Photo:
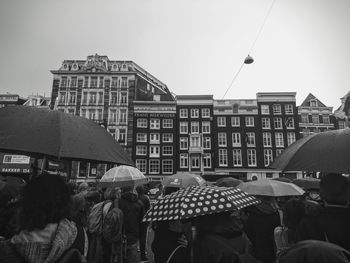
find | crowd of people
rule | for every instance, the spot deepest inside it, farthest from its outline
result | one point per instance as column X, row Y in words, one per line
column 55, row 221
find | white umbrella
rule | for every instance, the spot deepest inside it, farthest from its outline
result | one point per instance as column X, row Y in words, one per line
column 269, row 187
column 121, row 176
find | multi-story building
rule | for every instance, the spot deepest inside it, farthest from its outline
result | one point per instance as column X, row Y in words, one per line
column 155, row 137
column 195, row 133
column 11, row 100
column 314, row 116
column 104, row 91
column 342, row 114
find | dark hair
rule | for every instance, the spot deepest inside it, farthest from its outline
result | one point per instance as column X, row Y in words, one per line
column 46, row 199
column 334, row 188
column 293, row 213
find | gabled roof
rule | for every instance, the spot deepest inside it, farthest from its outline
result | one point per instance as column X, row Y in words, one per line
column 306, row 102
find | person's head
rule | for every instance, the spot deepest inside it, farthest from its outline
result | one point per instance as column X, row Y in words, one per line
column 46, row 199
column 82, row 187
column 140, row 190
column 293, row 212
column 335, row 189
column 111, row 193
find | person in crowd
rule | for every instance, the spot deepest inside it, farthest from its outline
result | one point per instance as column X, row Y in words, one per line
column 83, row 187
column 133, row 212
column 144, row 225
column 220, row 238
column 46, row 233
column 171, row 237
column 332, row 222
column 315, row 251
column 285, row 235
column 259, row 225
column 105, row 223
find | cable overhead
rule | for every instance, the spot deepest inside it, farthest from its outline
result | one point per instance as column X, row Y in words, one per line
column 249, row 59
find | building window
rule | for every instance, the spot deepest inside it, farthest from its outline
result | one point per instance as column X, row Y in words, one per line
column 123, row 116
column 267, row 142
column 249, row 121
column 207, row 160
column 124, row 98
column 250, row 138
column 222, row 157
column 278, row 123
column 72, row 97
column 112, row 118
column 194, row 113
column 251, row 154
column 183, row 113
column 141, row 165
column 288, row 108
column 154, row 138
column 304, row 118
column 268, row 157
column 64, row 82
column 325, row 119
column 154, row 167
column 167, row 150
column 313, row 103
column 62, row 98
column 114, row 98
column 167, row 166
column 205, row 113
column 290, row 138
column 93, row 82
column 183, row 160
column 195, row 161
column 289, row 122
column 195, row 141
column 154, row 124
column 265, row 109
column 221, row 121
column 73, row 82
column 276, row 109
column 124, row 83
column 154, row 151
column 141, row 137
column 265, row 123
column 167, row 137
column 236, row 139
column 183, row 127
column 194, row 127
column 71, row 111
column 183, row 143
column 315, row 119
column 167, row 123
column 114, row 82
column 237, row 157
column 141, row 123
column 141, row 150
column 122, row 135
column 222, row 141
column 206, row 143
column 341, row 124
column 235, row 122
column 205, row 127
column 279, row 139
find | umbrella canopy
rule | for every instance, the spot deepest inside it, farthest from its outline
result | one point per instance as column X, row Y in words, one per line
column 307, row 183
column 121, row 176
column 323, row 152
column 283, row 179
column 228, row 181
column 51, row 133
column 183, row 180
column 268, row 187
column 196, row 201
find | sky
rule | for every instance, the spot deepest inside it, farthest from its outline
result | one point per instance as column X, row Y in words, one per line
column 193, row 46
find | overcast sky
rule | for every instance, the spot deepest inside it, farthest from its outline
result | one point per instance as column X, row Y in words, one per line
column 193, row 46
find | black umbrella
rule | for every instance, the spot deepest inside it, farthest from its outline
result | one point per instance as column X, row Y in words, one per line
column 43, row 133
column 323, row 152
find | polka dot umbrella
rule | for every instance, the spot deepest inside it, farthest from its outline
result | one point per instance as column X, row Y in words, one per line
column 196, row 201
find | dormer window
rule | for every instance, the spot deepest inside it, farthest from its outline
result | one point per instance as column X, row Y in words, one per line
column 313, row 103
column 65, row 66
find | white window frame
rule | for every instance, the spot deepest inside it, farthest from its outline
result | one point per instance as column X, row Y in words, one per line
column 223, row 157
column 206, row 142
column 183, row 113
column 183, row 143
column 276, row 109
column 194, row 113
column 251, row 157
column 236, row 139
column 168, row 123
column 222, row 139
column 167, row 166
column 237, row 157
column 221, row 121
column 265, row 123
column 291, row 138
column 265, row 109
column 268, row 157
column 249, row 121
column 183, row 160
column 167, row 150
column 250, row 137
column 288, row 109
column 207, row 160
column 141, row 164
column 205, row 113
column 167, row 137
column 141, row 150
column 279, row 140
column 154, row 124
column 195, row 127
column 267, row 139
column 154, row 138
column 277, row 122
column 195, row 161
column 141, row 123
column 183, row 127
column 206, row 127
column 235, row 121
column 154, row 166
column 154, row 151
column 141, row 137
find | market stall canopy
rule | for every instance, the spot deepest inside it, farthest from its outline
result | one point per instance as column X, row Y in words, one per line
column 50, row 133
